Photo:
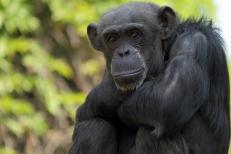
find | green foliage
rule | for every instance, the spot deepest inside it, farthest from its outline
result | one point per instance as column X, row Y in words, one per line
column 16, row 15
column 6, row 150
column 47, row 67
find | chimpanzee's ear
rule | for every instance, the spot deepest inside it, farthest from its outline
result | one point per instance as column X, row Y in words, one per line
column 167, row 21
column 92, row 35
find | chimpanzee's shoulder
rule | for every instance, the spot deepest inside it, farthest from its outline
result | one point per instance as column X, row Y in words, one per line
column 199, row 27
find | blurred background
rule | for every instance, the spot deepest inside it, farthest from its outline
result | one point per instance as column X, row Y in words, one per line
column 47, row 66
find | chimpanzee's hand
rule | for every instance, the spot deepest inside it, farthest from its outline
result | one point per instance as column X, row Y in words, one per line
column 102, row 101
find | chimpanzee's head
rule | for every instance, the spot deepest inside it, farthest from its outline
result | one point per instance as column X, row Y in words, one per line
column 130, row 36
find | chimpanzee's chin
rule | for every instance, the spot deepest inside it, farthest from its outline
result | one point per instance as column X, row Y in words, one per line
column 130, row 87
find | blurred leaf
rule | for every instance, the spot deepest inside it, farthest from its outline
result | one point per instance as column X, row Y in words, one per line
column 72, row 98
column 90, row 67
column 37, row 123
column 61, row 67
column 20, row 44
column 71, row 101
column 47, row 89
column 15, row 106
column 5, row 65
column 15, row 127
column 6, row 150
column 3, row 46
column 17, row 16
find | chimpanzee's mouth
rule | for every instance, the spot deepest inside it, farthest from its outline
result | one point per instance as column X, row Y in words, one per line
column 129, row 80
column 128, row 74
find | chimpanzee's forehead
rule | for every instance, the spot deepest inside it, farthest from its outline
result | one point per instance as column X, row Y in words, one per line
column 133, row 13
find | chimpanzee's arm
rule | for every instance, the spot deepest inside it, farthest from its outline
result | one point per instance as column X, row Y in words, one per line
column 168, row 102
column 101, row 102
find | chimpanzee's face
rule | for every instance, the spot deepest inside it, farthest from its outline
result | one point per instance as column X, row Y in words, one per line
column 131, row 42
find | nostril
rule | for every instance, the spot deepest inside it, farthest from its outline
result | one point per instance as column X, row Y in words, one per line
column 121, row 54
column 126, row 53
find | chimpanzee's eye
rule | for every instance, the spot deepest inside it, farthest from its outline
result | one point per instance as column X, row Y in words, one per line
column 134, row 35
column 112, row 39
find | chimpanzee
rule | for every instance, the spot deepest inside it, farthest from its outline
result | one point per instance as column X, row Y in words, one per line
column 165, row 90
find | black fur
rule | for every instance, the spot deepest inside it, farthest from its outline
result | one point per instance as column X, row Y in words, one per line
column 180, row 108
